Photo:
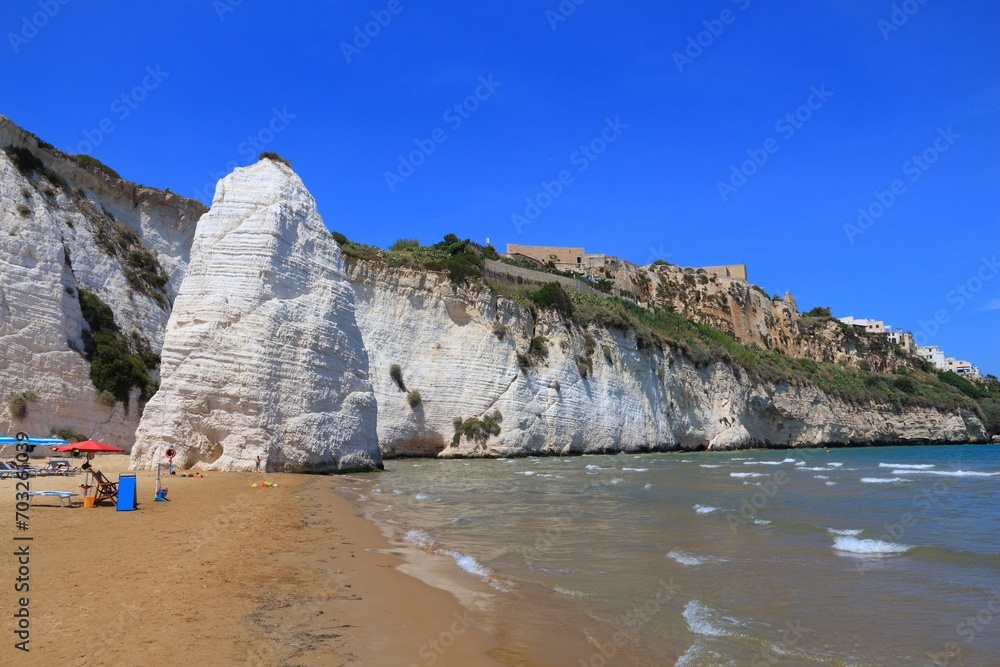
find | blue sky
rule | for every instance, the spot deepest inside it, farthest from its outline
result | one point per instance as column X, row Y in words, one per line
column 701, row 132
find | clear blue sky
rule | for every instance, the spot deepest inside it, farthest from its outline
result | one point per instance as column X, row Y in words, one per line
column 881, row 93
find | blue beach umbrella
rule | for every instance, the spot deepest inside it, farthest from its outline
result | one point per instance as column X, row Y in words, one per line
column 32, row 442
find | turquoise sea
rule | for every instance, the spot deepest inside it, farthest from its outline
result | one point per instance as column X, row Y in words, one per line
column 863, row 556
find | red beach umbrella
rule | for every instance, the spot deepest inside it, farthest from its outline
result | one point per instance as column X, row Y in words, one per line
column 89, row 447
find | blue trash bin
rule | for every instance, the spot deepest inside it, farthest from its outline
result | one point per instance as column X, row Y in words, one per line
column 127, row 494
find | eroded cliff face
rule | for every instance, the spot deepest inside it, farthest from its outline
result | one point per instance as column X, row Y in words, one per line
column 458, row 347
column 262, row 356
column 63, row 228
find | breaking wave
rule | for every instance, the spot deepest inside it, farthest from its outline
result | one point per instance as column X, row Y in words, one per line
column 685, row 558
column 869, row 547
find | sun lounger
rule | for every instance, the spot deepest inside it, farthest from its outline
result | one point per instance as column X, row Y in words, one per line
column 61, row 495
column 58, row 467
column 106, row 489
column 8, row 470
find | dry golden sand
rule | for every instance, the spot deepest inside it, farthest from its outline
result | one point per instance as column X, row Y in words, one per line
column 223, row 574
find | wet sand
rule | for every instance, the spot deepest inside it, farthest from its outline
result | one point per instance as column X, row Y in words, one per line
column 223, row 574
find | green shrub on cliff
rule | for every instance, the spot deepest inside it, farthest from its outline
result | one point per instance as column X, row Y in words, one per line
column 24, row 160
column 478, row 430
column 90, row 161
column 17, row 406
column 68, row 434
column 461, row 267
column 114, row 367
column 273, row 156
column 396, row 374
column 551, row 296
column 404, row 244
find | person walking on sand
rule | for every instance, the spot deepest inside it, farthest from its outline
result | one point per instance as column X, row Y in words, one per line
column 256, row 466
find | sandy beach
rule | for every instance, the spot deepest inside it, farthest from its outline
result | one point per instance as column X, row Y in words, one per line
column 223, row 574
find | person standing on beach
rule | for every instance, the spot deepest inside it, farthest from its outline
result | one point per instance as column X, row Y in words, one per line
column 257, row 464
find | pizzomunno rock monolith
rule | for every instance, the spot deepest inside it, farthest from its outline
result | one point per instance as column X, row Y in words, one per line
column 262, row 354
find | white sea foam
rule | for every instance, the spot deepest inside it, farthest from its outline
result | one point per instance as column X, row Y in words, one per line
column 700, row 621
column 800, row 463
column 418, row 465
column 593, row 467
column 882, row 480
column 690, row 655
column 635, row 469
column 947, row 473
column 762, row 522
column 570, row 592
column 747, row 474
column 704, row 509
column 739, row 459
column 685, row 558
column 868, row 547
column 526, row 473
column 397, row 492
column 709, row 465
column 816, row 469
column 648, row 486
column 831, row 483
column 788, row 461
column 846, row 532
column 421, row 496
column 617, row 480
column 419, row 538
column 762, row 463
column 821, row 477
column 469, row 564
column 835, row 465
column 912, row 466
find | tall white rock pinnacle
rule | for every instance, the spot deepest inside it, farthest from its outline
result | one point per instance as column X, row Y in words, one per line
column 262, row 354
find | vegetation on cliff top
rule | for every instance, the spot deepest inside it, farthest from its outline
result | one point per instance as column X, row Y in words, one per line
column 88, row 161
column 461, row 259
column 275, row 157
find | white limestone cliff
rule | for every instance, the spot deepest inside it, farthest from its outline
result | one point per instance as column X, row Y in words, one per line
column 457, row 346
column 49, row 240
column 262, row 355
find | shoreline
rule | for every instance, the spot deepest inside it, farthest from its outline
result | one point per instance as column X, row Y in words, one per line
column 226, row 574
column 654, row 449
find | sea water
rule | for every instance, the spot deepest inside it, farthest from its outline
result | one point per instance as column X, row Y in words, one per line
column 863, row 556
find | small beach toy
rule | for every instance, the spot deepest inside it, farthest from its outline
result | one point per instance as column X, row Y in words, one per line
column 253, row 486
